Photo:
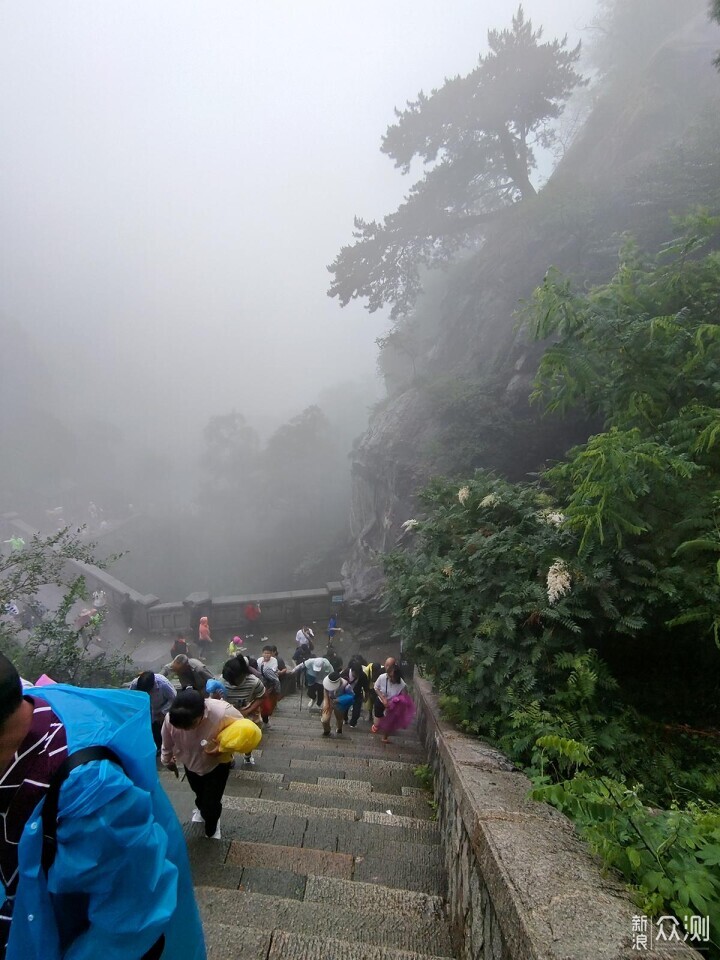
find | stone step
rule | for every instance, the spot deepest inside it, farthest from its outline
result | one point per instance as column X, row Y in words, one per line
column 396, row 929
column 382, row 779
column 349, row 746
column 387, row 778
column 302, row 724
column 226, row 943
column 333, row 849
column 427, row 830
column 330, row 793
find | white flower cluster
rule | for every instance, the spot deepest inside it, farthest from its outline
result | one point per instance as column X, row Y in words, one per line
column 464, row 494
column 410, row 524
column 416, row 610
column 489, row 501
column 558, row 581
column 554, row 517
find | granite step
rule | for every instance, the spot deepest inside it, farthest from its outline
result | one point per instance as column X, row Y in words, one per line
column 353, row 794
column 426, row 828
column 225, row 944
column 397, row 928
column 312, row 847
column 330, row 850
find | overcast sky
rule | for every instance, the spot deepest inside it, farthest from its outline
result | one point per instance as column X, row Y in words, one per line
column 175, row 177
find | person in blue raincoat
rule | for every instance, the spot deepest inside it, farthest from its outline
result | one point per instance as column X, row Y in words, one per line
column 119, row 887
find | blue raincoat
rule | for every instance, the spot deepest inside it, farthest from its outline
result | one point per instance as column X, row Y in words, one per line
column 121, row 877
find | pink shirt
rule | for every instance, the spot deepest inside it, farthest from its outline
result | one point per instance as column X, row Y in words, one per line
column 184, row 745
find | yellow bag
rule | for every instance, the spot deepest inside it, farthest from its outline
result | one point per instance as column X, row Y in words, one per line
column 241, row 736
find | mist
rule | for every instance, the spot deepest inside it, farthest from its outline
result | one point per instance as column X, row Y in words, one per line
column 175, row 179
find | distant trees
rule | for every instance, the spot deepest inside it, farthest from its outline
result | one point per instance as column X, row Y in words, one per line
column 231, row 449
column 266, row 508
column 478, row 135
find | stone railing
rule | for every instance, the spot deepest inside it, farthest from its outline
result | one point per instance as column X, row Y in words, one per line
column 227, row 613
column 521, row 885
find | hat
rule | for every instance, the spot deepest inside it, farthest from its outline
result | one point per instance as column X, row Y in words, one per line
column 332, row 682
column 214, row 686
column 238, row 641
column 315, row 665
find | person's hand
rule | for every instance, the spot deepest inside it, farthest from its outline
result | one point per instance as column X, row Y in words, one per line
column 173, row 768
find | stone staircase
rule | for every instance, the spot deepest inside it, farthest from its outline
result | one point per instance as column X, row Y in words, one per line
column 329, row 850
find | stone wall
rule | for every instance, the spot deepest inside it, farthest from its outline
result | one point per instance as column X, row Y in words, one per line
column 521, row 885
column 227, row 613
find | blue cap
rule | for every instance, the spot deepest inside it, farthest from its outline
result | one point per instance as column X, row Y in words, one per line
column 215, row 686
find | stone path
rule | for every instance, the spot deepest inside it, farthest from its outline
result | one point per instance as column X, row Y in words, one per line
column 329, row 850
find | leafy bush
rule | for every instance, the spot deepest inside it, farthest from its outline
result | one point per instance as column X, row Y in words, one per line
column 52, row 645
column 513, row 593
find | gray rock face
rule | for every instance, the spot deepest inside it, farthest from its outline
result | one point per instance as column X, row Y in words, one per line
column 471, row 333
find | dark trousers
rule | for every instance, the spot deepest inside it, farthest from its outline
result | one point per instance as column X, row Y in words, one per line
column 208, row 789
column 378, row 707
column 316, row 693
column 355, row 707
column 157, row 734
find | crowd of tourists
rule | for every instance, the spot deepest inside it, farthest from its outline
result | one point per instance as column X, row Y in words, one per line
column 99, row 867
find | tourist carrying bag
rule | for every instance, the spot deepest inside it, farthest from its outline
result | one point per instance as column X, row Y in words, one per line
column 50, row 814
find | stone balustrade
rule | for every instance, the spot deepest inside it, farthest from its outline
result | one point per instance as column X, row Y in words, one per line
column 521, row 885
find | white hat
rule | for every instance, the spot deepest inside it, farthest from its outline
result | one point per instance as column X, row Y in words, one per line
column 316, row 665
column 332, row 685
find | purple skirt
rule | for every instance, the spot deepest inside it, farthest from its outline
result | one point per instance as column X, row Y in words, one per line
column 399, row 714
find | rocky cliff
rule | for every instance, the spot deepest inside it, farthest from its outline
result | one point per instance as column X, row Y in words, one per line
column 458, row 397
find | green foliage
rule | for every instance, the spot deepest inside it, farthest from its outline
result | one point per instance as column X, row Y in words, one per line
column 669, row 857
column 424, row 776
column 53, row 645
column 477, row 136
column 643, row 351
column 512, row 592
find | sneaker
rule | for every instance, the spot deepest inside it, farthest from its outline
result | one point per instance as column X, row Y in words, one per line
column 326, row 733
column 266, row 724
column 249, row 762
column 353, row 725
column 197, row 817
column 338, row 733
column 217, row 835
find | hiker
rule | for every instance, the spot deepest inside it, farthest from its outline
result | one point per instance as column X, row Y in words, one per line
column 372, row 672
column 204, row 638
column 304, row 645
column 281, row 665
column 161, row 693
column 244, row 691
column 267, row 665
column 180, row 646
column 236, row 646
column 314, row 671
column 268, row 657
column 190, row 672
column 188, row 735
column 358, row 685
column 107, row 873
column 252, row 613
column 394, row 710
column 335, row 659
column 333, row 628
column 333, row 688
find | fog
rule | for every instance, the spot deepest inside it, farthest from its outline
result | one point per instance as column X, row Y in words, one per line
column 175, row 178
